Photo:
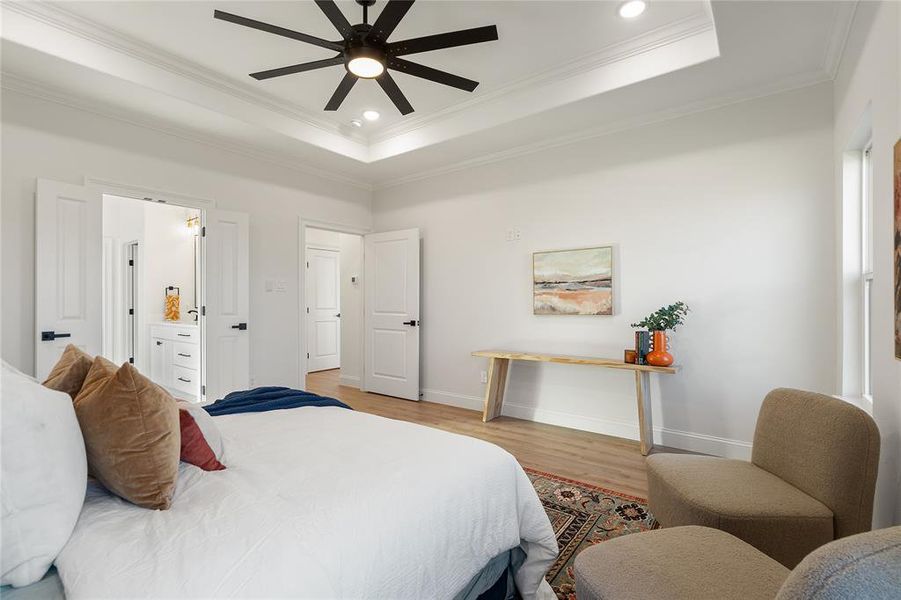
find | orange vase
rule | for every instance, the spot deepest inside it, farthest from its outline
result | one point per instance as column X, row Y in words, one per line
column 659, row 357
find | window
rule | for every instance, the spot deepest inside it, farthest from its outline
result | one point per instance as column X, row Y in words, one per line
column 866, row 279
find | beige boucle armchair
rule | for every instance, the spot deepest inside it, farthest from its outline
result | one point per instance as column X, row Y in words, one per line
column 811, row 479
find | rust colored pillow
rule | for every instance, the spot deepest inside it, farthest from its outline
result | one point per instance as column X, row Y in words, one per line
column 194, row 448
column 69, row 371
column 131, row 433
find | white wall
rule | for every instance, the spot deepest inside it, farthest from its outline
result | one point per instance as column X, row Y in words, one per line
column 43, row 139
column 351, row 309
column 868, row 84
column 729, row 210
column 168, row 259
column 350, row 248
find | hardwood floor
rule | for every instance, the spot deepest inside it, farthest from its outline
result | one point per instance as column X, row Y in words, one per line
column 602, row 460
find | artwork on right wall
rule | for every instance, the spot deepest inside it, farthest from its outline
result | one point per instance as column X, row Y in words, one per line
column 898, row 249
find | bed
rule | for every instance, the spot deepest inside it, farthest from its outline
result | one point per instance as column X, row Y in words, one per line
column 320, row 502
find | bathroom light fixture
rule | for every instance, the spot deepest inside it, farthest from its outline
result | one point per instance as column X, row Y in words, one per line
column 631, row 9
column 193, row 224
column 371, row 115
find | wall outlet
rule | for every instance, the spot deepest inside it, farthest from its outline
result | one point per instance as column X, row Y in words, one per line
column 483, row 376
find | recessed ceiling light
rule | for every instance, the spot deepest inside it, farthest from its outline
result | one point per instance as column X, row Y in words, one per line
column 371, row 115
column 631, row 9
column 356, row 122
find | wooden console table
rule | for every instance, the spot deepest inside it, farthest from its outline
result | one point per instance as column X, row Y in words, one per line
column 499, row 364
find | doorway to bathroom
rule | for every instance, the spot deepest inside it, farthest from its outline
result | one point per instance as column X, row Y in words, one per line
column 152, row 281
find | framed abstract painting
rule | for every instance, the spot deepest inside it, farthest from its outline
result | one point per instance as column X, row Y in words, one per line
column 573, row 282
column 897, row 257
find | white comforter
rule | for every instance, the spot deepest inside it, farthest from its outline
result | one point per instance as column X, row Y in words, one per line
column 318, row 503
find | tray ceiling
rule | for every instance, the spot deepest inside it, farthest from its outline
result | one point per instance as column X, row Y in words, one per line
column 559, row 66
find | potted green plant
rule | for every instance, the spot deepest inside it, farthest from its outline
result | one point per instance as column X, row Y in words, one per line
column 667, row 318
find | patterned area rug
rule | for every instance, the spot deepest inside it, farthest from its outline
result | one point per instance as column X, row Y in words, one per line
column 583, row 515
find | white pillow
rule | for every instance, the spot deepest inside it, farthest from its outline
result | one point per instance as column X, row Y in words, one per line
column 43, row 476
column 207, row 427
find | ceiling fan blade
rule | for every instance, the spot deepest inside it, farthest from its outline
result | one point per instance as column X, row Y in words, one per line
column 439, row 41
column 388, row 19
column 417, row 70
column 341, row 92
column 400, row 101
column 288, row 33
column 337, row 17
column 300, row 68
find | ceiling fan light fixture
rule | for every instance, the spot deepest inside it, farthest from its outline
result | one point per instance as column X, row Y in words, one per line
column 366, row 63
column 632, row 8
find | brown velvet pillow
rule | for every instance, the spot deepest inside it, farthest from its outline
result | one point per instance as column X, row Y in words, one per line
column 100, row 372
column 69, row 371
column 131, row 433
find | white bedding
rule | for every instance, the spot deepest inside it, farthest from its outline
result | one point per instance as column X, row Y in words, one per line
column 318, row 503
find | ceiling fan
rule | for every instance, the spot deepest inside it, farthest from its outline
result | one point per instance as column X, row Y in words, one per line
column 366, row 53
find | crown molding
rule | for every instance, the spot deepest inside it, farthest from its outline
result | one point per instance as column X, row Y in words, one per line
column 21, row 85
column 797, row 82
column 842, row 19
column 72, row 23
column 695, row 24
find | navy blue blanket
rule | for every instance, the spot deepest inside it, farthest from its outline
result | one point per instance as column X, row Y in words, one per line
column 263, row 399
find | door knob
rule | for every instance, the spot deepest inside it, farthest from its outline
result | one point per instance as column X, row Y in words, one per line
column 412, row 323
column 49, row 336
column 241, row 326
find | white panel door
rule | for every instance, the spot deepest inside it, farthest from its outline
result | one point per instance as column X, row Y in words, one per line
column 391, row 282
column 323, row 309
column 226, row 290
column 68, row 265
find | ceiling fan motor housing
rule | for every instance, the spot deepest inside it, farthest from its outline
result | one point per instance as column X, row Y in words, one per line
column 358, row 46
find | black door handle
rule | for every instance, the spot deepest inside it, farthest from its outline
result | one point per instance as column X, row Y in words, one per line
column 338, row 315
column 241, row 326
column 49, row 336
column 411, row 323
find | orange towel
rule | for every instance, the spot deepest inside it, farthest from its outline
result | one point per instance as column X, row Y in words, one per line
column 172, row 312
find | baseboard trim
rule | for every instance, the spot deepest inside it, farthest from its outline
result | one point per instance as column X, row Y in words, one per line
column 452, row 399
column 663, row 436
column 613, row 427
column 703, row 443
column 349, row 380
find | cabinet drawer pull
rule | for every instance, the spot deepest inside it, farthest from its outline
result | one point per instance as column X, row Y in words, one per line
column 185, row 380
column 185, row 355
column 183, row 334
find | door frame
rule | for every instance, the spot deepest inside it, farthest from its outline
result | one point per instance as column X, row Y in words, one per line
column 302, row 291
column 136, row 192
